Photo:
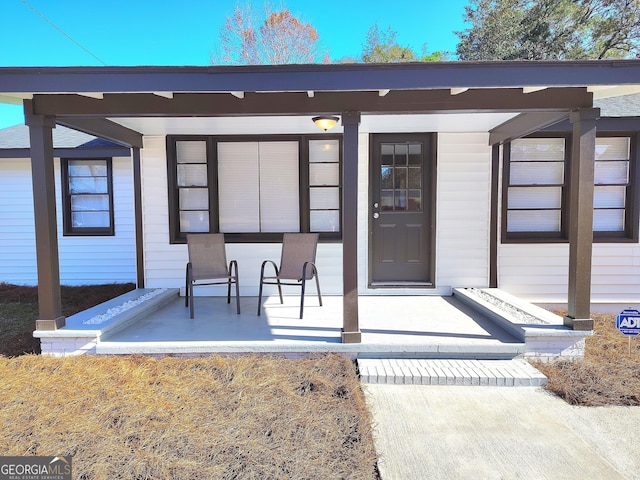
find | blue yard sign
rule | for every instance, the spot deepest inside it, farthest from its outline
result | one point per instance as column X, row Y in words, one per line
column 628, row 322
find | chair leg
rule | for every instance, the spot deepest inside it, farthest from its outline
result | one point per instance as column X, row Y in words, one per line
column 191, row 302
column 318, row 286
column 280, row 290
column 186, row 286
column 237, row 295
column 302, row 298
column 260, row 291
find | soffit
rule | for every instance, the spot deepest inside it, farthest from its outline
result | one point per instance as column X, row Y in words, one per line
column 264, row 125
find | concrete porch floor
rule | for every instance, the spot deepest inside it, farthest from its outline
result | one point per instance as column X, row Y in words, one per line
column 391, row 326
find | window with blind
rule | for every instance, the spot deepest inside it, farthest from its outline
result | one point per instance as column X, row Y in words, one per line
column 254, row 189
column 535, row 189
column 535, row 174
column 87, row 197
column 612, row 184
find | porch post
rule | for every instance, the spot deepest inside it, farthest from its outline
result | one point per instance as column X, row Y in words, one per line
column 351, row 328
column 493, row 222
column 137, row 201
column 581, row 217
column 44, row 205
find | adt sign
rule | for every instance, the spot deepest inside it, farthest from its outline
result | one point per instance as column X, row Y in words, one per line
column 628, row 322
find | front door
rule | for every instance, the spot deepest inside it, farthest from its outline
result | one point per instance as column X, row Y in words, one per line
column 402, row 199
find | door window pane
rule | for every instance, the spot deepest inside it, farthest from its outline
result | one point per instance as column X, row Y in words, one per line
column 386, row 180
column 400, row 199
column 415, row 154
column 400, row 177
column 415, row 177
column 415, row 200
column 386, row 200
column 386, row 157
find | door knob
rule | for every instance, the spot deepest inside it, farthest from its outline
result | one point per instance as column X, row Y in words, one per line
column 376, row 215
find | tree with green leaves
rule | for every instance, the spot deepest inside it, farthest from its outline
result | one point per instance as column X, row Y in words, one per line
column 274, row 37
column 550, row 30
column 381, row 47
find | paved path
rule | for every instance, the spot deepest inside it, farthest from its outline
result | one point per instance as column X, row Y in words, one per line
column 457, row 432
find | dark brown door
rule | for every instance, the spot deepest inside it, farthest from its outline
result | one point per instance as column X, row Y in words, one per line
column 401, row 206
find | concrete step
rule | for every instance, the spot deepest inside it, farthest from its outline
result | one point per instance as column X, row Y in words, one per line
column 512, row 373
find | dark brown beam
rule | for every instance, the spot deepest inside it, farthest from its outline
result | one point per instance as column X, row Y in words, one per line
column 44, row 205
column 219, row 104
column 137, row 209
column 100, row 127
column 581, row 218
column 78, row 152
column 346, row 77
column 351, row 326
column 523, row 125
column 493, row 221
column 605, row 124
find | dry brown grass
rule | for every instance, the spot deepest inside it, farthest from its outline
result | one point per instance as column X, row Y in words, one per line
column 608, row 375
column 211, row 418
column 19, row 311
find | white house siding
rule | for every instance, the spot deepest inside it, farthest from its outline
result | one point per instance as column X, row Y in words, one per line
column 463, row 214
column 539, row 272
column 165, row 263
column 84, row 260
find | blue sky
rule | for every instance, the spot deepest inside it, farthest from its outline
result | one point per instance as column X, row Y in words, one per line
column 184, row 32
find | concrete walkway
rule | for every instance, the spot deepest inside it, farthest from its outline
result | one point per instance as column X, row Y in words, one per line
column 457, row 432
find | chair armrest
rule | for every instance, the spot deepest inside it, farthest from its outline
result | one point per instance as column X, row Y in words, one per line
column 233, row 265
column 313, row 269
column 275, row 267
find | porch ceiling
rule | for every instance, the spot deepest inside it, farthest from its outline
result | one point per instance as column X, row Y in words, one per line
column 452, row 122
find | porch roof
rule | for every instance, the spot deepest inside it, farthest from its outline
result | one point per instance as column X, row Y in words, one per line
column 604, row 76
column 95, row 99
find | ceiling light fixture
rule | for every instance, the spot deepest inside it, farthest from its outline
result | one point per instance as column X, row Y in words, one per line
column 325, row 123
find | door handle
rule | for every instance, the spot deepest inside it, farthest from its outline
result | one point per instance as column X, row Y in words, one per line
column 376, row 215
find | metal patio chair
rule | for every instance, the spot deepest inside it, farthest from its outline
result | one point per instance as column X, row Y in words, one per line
column 297, row 264
column 208, row 266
